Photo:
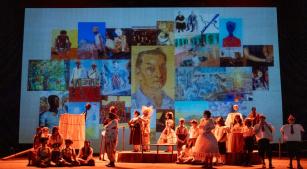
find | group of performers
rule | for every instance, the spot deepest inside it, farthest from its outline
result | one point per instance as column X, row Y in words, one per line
column 215, row 137
column 48, row 150
column 199, row 143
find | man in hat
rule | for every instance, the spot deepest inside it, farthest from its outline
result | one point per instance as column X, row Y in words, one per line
column 292, row 136
column 111, row 136
column 264, row 135
column 76, row 75
column 93, row 75
column 182, row 134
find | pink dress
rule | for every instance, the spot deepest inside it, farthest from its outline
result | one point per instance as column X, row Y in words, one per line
column 206, row 143
column 168, row 135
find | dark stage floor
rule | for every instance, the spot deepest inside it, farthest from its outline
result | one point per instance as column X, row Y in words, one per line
column 21, row 163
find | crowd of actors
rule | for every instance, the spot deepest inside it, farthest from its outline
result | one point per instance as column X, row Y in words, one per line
column 210, row 138
column 199, row 143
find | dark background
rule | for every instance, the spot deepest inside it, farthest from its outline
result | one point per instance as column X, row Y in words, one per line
column 292, row 29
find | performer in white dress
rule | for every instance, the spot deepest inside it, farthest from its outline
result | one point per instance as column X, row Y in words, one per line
column 168, row 135
column 206, row 144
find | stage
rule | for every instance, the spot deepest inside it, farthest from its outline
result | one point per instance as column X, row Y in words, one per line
column 21, row 163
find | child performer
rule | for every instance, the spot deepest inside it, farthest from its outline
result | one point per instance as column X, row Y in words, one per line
column 85, row 156
column 55, row 142
column 68, row 155
column 220, row 133
column 36, row 144
column 182, row 135
column 193, row 133
column 248, row 135
column 43, row 154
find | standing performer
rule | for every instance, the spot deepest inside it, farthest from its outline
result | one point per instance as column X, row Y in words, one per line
column 292, row 135
column 146, row 127
column 206, row 144
column 193, row 133
column 182, row 135
column 136, row 131
column 264, row 134
column 168, row 135
column 111, row 136
column 220, row 133
column 248, row 135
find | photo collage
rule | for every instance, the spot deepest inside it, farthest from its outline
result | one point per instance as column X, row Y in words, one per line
column 194, row 62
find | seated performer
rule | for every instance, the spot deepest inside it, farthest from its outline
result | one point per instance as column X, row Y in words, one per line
column 68, row 155
column 85, row 156
column 168, row 135
column 193, row 133
column 55, row 141
column 185, row 156
column 36, row 144
column 182, row 135
column 43, row 154
column 136, row 131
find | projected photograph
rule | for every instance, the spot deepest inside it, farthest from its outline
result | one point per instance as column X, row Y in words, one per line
column 203, row 50
column 46, row 75
column 144, row 36
column 64, row 44
column 85, row 78
column 220, row 108
column 51, row 105
column 92, row 117
column 258, row 55
column 44, row 105
column 165, row 33
column 190, row 110
column 161, row 118
column 209, row 23
column 115, row 78
column 118, row 43
column 153, row 77
column 230, row 32
column 214, row 84
column 260, row 78
column 123, row 105
column 91, row 40
column 180, row 59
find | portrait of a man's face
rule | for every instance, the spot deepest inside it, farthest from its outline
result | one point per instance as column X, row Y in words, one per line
column 153, row 76
column 152, row 71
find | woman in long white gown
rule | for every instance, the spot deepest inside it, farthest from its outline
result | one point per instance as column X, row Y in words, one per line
column 206, row 144
column 168, row 135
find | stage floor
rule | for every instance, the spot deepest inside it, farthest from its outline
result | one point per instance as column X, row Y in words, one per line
column 21, row 163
